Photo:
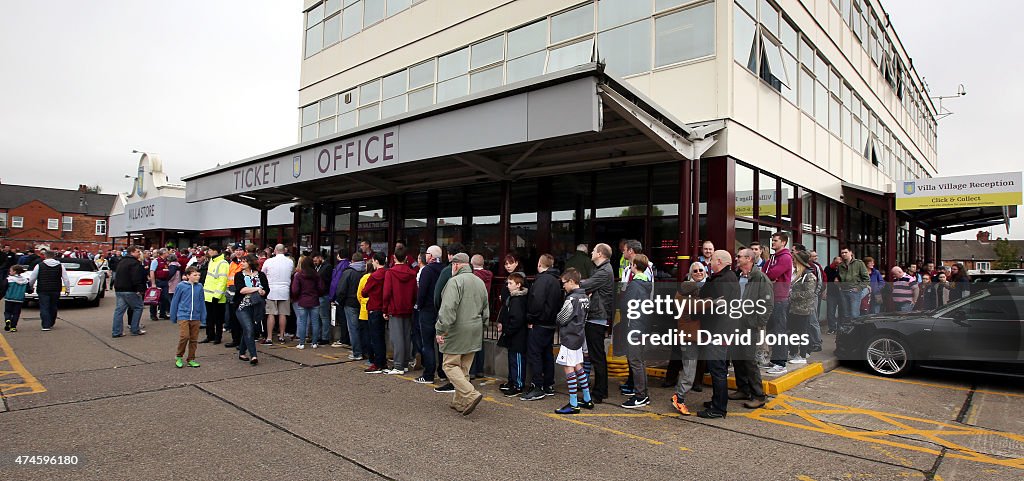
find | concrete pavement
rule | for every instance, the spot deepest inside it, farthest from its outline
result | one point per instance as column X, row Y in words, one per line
column 123, row 408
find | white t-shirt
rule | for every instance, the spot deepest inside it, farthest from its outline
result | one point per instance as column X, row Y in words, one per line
column 279, row 271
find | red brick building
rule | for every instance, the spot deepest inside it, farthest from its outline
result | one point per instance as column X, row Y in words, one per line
column 61, row 218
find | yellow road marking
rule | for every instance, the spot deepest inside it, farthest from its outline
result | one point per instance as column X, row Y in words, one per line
column 804, row 478
column 783, row 409
column 28, row 385
column 926, row 384
column 606, row 429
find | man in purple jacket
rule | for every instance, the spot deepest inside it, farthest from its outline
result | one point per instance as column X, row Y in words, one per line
column 779, row 270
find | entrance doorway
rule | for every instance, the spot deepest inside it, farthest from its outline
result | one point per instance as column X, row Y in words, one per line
column 612, row 231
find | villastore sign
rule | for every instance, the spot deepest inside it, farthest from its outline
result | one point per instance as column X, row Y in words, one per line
column 141, row 215
column 984, row 190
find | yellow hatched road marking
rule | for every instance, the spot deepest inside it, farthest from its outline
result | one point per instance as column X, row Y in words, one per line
column 927, row 384
column 28, row 385
column 784, row 410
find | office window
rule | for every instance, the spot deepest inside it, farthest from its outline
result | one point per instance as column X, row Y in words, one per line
column 660, row 5
column 684, row 35
column 326, row 127
column 421, row 74
column 525, row 67
column 453, row 65
column 788, row 36
column 394, row 84
column 3, row 220
column 101, row 227
column 395, row 6
column 749, row 5
column 487, row 52
column 528, row 39
column 572, row 24
column 485, row 79
column 369, row 93
column 806, row 92
column 17, row 222
column 834, row 115
column 612, row 13
column 570, row 55
column 309, row 114
column 328, row 106
column 332, row 7
column 770, row 17
column 373, row 12
column 772, row 69
column 314, row 39
column 744, row 31
column 789, row 90
column 347, row 120
column 626, row 50
column 821, row 103
column 332, row 30
column 392, row 106
column 421, row 98
column 348, row 101
column 369, row 114
column 453, row 88
column 308, row 133
column 351, row 20
column 52, row 224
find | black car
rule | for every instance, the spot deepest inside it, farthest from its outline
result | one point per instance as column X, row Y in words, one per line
column 983, row 332
column 1007, row 277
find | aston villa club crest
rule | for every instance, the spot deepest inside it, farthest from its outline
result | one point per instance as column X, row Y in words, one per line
column 296, row 166
column 909, row 188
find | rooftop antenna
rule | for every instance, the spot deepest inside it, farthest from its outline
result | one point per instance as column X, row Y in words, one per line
column 943, row 112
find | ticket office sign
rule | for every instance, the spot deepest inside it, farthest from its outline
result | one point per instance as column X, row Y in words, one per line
column 983, row 190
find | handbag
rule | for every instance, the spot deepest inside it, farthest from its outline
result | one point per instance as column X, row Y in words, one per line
column 152, row 296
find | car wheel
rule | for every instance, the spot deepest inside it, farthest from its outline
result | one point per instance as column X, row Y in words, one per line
column 96, row 301
column 888, row 355
column 103, row 292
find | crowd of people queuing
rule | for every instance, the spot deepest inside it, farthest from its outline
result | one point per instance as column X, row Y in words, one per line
column 436, row 305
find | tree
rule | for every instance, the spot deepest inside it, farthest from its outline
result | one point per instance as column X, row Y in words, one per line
column 1006, row 254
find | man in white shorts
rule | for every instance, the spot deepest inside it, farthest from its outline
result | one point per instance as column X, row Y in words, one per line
column 571, row 319
column 279, row 271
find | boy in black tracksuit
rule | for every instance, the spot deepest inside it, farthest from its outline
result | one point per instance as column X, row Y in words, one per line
column 542, row 305
column 512, row 324
column 571, row 318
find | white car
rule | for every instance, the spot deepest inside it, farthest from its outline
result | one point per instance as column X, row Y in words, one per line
column 86, row 282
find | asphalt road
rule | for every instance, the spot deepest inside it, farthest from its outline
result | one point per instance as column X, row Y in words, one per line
column 127, row 413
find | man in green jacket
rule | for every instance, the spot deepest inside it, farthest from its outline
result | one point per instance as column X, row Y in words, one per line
column 756, row 288
column 460, row 323
column 853, row 282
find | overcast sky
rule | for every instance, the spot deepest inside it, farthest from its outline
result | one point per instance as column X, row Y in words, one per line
column 208, row 82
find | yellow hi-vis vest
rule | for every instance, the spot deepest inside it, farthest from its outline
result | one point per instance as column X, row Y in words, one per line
column 216, row 280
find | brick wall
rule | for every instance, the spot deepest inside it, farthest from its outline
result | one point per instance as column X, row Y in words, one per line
column 34, row 231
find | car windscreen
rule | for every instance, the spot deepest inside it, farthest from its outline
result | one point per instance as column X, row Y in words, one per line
column 79, row 265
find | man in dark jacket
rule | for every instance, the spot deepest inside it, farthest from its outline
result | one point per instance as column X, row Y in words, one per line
column 348, row 303
column 325, row 269
column 129, row 284
column 722, row 287
column 446, row 274
column 581, row 261
column 51, row 276
column 757, row 288
column 600, row 285
column 427, row 317
column 543, row 302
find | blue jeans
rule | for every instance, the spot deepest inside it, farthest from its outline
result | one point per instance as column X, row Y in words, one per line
column 325, row 320
column 833, row 305
column 815, row 328
column 851, row 302
column 246, row 319
column 306, row 318
column 380, row 349
column 352, row 319
column 48, row 308
column 904, row 306
column 125, row 301
column 428, row 334
column 778, row 324
column 416, row 345
column 165, row 301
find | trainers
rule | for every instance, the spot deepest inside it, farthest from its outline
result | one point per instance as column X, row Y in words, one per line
column 798, row 360
column 267, row 342
column 47, row 329
column 423, row 380
column 178, row 362
column 14, row 329
column 373, row 369
column 636, row 402
column 300, row 347
column 512, row 391
column 549, row 390
column 193, row 363
column 535, row 394
column 627, row 390
column 394, row 371
column 568, row 409
column 680, row 405
column 587, row 404
column 446, row 388
column 353, row 357
column 7, row 325
column 140, row 333
column 314, row 346
column 777, row 370
column 337, row 344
